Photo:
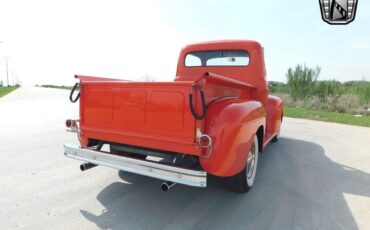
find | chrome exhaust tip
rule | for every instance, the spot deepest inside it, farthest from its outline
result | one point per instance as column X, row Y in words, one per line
column 87, row 166
column 167, row 186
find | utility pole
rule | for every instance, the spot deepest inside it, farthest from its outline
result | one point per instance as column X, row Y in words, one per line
column 7, row 70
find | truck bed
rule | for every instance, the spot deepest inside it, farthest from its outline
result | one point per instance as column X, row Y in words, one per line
column 154, row 115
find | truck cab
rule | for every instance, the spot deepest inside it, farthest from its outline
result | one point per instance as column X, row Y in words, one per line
column 214, row 118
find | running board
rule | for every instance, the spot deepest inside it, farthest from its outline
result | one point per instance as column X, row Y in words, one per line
column 142, row 167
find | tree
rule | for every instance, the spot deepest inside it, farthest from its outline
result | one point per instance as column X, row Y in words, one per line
column 301, row 81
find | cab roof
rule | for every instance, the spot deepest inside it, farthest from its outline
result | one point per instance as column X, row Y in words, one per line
column 223, row 44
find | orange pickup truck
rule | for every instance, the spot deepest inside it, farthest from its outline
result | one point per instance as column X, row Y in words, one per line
column 214, row 118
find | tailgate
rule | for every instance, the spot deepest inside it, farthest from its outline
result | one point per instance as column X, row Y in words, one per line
column 148, row 114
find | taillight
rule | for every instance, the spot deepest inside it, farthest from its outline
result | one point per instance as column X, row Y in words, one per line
column 68, row 123
column 205, row 141
column 72, row 125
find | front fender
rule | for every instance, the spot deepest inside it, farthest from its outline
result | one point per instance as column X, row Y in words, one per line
column 232, row 124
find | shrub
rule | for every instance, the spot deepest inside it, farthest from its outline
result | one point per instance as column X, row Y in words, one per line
column 326, row 90
column 277, row 87
column 301, row 81
column 363, row 91
column 348, row 103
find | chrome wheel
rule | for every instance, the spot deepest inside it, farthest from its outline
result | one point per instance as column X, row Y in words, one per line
column 252, row 162
column 244, row 180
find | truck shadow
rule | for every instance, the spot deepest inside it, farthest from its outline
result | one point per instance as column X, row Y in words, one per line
column 297, row 187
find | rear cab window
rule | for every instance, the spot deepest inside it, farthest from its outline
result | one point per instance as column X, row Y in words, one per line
column 217, row 58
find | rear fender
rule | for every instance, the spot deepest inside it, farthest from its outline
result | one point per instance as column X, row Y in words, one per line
column 232, row 124
column 274, row 114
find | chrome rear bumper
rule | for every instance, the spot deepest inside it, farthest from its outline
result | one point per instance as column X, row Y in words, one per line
column 142, row 167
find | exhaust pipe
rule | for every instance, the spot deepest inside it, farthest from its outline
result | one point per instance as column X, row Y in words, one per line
column 167, row 185
column 87, row 166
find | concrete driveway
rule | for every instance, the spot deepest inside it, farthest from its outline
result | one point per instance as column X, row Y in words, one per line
column 316, row 177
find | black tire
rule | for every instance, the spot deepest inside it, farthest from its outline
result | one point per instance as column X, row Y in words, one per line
column 275, row 139
column 241, row 182
column 277, row 136
column 116, row 151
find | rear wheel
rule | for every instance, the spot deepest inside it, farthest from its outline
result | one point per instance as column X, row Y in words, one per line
column 277, row 136
column 244, row 180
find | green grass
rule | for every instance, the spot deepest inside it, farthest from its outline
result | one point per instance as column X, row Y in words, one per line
column 343, row 118
column 5, row 90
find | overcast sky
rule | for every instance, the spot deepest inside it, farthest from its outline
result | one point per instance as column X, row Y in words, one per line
column 47, row 42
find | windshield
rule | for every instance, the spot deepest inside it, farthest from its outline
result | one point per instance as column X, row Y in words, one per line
column 217, row 58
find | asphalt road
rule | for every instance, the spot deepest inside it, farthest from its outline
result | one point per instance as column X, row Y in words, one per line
column 316, row 177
